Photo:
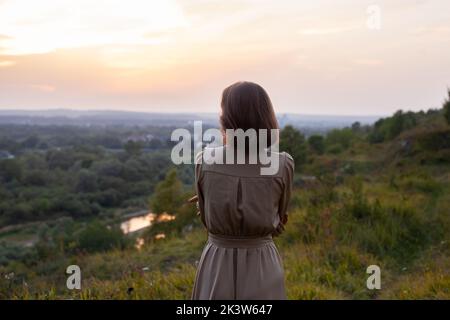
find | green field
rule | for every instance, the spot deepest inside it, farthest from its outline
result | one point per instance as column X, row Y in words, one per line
column 378, row 196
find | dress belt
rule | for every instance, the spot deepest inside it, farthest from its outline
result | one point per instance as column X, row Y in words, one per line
column 239, row 242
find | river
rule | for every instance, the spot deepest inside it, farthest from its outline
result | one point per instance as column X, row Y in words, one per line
column 137, row 223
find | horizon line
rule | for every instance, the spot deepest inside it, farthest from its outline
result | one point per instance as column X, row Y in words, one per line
column 187, row 112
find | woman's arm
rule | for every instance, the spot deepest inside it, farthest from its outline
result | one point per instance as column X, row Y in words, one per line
column 288, row 177
column 199, row 197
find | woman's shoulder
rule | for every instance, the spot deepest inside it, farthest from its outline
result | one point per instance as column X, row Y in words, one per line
column 288, row 163
column 284, row 157
column 288, row 158
column 199, row 157
column 206, row 161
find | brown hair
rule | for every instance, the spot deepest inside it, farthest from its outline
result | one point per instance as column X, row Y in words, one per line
column 246, row 105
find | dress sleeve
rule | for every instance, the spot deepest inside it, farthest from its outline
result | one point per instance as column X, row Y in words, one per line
column 198, row 188
column 288, row 177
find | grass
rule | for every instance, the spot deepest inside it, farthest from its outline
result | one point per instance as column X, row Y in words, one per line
column 370, row 207
column 325, row 249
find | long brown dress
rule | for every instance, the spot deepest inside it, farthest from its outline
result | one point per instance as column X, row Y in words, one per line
column 241, row 209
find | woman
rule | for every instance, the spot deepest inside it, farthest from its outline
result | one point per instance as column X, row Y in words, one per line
column 242, row 209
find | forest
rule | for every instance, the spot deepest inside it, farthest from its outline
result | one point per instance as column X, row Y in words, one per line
column 364, row 194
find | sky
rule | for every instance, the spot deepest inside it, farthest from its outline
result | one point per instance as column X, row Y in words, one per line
column 348, row 57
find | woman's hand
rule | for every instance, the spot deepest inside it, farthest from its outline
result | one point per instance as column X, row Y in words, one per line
column 280, row 228
column 194, row 199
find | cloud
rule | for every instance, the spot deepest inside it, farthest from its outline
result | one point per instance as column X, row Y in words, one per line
column 43, row 87
column 43, row 26
column 179, row 55
column 7, row 63
column 442, row 31
column 324, row 31
column 369, row 62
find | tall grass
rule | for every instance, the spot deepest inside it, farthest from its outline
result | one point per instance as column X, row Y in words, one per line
column 335, row 231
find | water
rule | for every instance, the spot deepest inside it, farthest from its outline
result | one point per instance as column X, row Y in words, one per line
column 140, row 222
column 137, row 223
column 139, row 243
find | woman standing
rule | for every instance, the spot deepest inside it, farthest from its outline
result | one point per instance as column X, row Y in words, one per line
column 242, row 209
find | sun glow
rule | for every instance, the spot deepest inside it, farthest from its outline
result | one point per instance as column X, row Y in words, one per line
column 177, row 55
column 29, row 27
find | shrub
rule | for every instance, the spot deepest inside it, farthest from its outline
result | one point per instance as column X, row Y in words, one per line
column 317, row 143
column 435, row 140
column 10, row 169
column 389, row 128
column 168, row 195
column 395, row 232
column 98, row 237
column 446, row 108
column 335, row 149
column 424, row 184
column 340, row 137
column 293, row 142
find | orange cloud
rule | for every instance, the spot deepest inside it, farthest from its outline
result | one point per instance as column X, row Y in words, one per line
column 7, row 63
column 43, row 87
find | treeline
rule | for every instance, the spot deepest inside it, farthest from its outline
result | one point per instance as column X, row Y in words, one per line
column 19, row 138
column 386, row 129
column 60, row 238
column 79, row 181
column 81, row 171
column 336, row 141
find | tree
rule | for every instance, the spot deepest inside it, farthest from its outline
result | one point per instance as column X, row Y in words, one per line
column 341, row 138
column 132, row 170
column 389, row 128
column 109, row 198
column 155, row 143
column 399, row 122
column 293, row 142
column 376, row 134
column 108, row 168
column 19, row 212
column 168, row 196
column 317, row 143
column 31, row 142
column 356, row 126
column 133, row 148
column 446, row 108
column 10, row 169
column 62, row 159
column 98, row 237
column 36, row 178
column 87, row 181
column 396, row 124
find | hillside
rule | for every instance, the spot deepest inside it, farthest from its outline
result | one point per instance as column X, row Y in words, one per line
column 364, row 195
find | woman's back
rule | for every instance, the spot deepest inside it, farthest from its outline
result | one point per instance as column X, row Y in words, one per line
column 243, row 205
column 241, row 210
column 239, row 201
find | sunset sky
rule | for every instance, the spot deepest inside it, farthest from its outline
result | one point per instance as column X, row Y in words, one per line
column 315, row 57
